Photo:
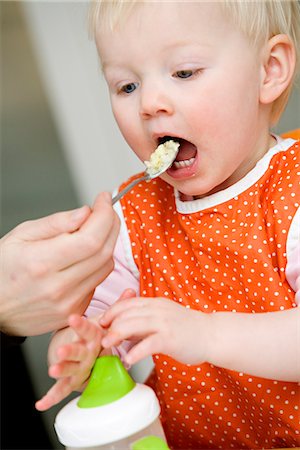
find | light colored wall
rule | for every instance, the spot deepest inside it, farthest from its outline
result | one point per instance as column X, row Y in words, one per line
column 98, row 157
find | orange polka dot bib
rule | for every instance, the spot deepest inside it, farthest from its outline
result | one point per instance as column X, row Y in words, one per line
column 220, row 256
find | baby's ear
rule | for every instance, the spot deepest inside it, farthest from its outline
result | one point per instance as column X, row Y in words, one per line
column 278, row 66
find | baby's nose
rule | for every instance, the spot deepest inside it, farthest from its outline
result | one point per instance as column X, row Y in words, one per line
column 155, row 102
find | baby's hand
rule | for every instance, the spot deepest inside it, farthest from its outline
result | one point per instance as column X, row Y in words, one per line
column 160, row 326
column 75, row 361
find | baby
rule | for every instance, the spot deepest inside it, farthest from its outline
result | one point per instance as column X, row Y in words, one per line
column 210, row 250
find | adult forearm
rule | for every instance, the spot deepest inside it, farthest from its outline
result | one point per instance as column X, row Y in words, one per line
column 264, row 344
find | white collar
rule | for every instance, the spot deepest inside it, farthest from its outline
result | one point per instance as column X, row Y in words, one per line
column 240, row 186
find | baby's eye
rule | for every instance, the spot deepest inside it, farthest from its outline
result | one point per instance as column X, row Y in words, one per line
column 128, row 88
column 184, row 73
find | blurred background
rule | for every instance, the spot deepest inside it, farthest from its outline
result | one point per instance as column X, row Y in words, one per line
column 59, row 148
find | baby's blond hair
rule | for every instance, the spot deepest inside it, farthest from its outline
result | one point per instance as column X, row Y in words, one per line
column 259, row 20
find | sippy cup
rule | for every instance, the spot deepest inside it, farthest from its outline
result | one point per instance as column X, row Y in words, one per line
column 113, row 413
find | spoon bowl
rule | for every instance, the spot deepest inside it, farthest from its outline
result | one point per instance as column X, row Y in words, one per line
column 153, row 170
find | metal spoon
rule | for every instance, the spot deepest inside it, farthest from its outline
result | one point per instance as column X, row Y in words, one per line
column 148, row 175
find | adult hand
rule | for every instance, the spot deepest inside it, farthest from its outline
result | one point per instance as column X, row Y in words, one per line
column 50, row 267
column 158, row 325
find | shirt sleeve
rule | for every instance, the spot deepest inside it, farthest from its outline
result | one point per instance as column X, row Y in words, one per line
column 9, row 341
column 112, row 287
column 292, row 271
column 123, row 276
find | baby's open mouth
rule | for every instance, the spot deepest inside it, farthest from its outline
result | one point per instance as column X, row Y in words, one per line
column 187, row 152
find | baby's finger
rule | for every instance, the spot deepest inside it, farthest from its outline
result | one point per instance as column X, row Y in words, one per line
column 146, row 347
column 129, row 328
column 64, row 369
column 75, row 351
column 120, row 306
column 113, row 339
column 85, row 329
column 128, row 293
column 44, row 403
column 60, row 390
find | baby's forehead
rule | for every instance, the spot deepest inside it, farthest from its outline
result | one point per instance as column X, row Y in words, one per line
column 146, row 17
column 159, row 28
column 113, row 15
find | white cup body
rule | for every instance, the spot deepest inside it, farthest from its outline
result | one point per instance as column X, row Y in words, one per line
column 154, row 429
column 113, row 426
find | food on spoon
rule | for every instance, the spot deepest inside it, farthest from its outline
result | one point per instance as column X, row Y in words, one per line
column 162, row 157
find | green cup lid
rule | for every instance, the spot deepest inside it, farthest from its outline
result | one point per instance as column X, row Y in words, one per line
column 150, row 443
column 109, row 382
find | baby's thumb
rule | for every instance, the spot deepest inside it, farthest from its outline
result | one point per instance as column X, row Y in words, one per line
column 128, row 293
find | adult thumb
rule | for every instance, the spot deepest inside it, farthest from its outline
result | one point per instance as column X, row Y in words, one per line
column 54, row 224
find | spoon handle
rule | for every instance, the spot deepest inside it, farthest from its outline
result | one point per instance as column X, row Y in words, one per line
column 129, row 187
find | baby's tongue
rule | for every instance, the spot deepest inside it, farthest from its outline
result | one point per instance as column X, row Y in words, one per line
column 187, row 150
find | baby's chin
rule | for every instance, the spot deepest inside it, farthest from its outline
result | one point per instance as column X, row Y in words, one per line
column 190, row 188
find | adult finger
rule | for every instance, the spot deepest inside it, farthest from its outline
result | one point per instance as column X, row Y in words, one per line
column 52, row 225
column 61, row 300
column 88, row 257
column 98, row 235
column 102, row 211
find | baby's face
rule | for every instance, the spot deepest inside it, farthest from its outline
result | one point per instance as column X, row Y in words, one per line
column 182, row 70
